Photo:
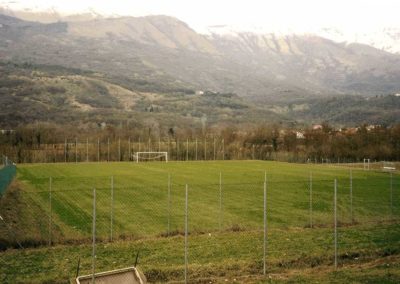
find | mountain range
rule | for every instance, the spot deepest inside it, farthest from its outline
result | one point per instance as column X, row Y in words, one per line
column 163, row 55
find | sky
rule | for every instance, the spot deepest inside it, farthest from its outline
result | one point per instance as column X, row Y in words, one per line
column 266, row 15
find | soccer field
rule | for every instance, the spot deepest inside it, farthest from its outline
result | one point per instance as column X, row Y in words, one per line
column 149, row 198
column 142, row 208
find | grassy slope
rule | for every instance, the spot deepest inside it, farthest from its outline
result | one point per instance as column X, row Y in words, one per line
column 236, row 250
column 224, row 254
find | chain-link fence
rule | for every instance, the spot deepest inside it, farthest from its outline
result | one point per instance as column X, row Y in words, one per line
column 8, row 171
column 205, row 230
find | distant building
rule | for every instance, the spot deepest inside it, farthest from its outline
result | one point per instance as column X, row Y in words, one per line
column 317, row 127
column 372, row 127
column 397, row 95
column 300, row 135
column 6, row 131
column 199, row 93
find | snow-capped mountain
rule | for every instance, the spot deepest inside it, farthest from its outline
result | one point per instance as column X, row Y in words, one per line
column 387, row 39
column 384, row 38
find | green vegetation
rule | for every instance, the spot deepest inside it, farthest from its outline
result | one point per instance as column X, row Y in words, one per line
column 295, row 252
column 69, row 96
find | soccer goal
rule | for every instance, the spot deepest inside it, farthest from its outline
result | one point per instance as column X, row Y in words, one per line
column 150, row 156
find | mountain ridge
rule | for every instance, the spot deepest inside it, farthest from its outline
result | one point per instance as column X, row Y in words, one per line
column 163, row 55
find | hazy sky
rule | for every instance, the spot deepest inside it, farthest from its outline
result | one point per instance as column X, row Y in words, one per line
column 270, row 15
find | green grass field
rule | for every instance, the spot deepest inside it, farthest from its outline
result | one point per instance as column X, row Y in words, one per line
column 225, row 221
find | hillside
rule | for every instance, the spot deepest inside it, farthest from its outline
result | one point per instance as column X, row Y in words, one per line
column 148, row 68
column 51, row 93
column 164, row 49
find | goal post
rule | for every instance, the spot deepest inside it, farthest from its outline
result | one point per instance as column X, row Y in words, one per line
column 150, row 156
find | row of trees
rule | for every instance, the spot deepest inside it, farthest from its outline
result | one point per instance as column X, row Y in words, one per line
column 51, row 143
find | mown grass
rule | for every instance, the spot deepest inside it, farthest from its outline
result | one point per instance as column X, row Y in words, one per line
column 141, row 205
column 225, row 242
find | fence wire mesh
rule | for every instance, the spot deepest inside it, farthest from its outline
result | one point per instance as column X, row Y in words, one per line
column 225, row 222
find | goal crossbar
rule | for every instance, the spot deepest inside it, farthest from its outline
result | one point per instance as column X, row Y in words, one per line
column 157, row 155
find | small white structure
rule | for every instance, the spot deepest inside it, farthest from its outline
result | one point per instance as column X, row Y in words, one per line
column 128, row 275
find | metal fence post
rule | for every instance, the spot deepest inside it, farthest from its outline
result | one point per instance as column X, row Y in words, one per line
column 108, row 149
column 94, row 236
column 177, row 149
column 76, row 150
column 186, row 234
column 196, row 149
column 119, row 149
column 187, row 150
column 65, row 150
column 87, row 149
column 223, row 149
column 214, row 148
column 98, row 149
column 112, row 209
column 205, row 149
column 169, row 204
column 50, row 211
column 335, row 221
column 265, row 230
column 221, row 217
column 391, row 196
column 129, row 148
column 311, row 201
column 351, row 197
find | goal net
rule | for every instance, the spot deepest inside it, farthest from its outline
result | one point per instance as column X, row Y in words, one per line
column 150, row 156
